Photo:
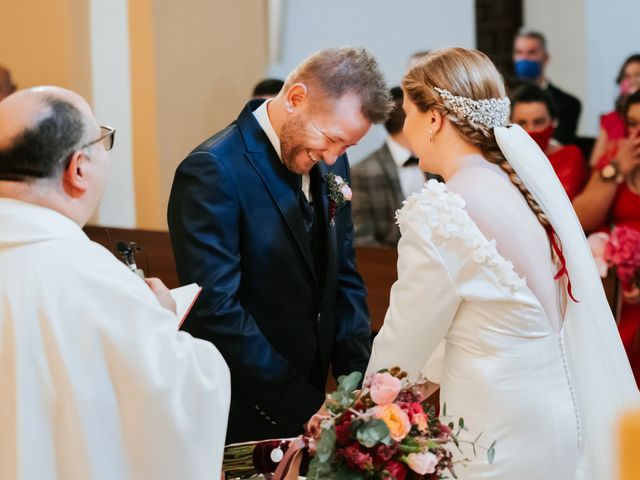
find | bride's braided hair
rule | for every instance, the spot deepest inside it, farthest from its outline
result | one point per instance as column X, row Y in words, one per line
column 470, row 74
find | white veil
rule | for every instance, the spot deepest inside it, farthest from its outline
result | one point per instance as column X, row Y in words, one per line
column 602, row 380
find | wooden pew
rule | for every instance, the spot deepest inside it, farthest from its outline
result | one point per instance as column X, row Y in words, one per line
column 376, row 265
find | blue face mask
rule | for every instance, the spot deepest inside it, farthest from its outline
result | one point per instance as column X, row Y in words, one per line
column 528, row 69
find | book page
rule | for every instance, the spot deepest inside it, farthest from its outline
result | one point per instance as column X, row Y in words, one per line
column 185, row 297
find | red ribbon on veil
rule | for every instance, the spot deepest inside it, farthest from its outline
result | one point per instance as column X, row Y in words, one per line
column 557, row 249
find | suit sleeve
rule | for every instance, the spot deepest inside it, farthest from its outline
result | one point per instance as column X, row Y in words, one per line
column 569, row 114
column 423, row 303
column 204, row 218
column 363, row 220
column 353, row 340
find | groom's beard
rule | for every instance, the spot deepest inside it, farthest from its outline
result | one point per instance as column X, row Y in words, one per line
column 293, row 147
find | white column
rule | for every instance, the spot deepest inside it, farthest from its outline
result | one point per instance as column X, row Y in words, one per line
column 588, row 41
column 564, row 26
column 612, row 35
column 109, row 33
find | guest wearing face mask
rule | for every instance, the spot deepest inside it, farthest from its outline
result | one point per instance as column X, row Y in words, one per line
column 535, row 111
column 530, row 57
column 612, row 124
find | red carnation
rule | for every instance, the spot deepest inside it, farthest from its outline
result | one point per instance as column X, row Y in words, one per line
column 356, row 458
column 343, row 433
column 385, row 453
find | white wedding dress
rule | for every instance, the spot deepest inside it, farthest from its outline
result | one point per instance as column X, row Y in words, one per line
column 501, row 347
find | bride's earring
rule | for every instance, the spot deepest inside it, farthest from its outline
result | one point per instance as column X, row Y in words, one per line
column 430, row 136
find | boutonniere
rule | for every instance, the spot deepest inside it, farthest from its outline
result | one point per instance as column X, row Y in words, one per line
column 338, row 192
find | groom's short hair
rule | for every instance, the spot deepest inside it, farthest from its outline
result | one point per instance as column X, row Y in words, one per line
column 337, row 71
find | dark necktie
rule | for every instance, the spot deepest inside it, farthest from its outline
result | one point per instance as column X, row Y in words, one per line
column 307, row 211
column 412, row 162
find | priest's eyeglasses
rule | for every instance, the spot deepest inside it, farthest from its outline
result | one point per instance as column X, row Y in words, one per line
column 107, row 136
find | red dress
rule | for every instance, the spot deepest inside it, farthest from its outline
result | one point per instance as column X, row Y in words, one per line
column 625, row 211
column 613, row 124
column 570, row 167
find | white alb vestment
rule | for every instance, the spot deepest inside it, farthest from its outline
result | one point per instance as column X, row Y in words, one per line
column 543, row 376
column 95, row 381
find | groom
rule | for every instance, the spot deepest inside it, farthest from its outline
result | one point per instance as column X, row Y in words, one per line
column 249, row 218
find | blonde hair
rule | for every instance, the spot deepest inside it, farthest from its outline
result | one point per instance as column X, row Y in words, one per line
column 336, row 71
column 465, row 73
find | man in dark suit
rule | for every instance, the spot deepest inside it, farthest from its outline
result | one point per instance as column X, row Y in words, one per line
column 382, row 181
column 530, row 57
column 249, row 217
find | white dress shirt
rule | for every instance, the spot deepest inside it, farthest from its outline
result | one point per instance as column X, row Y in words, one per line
column 262, row 116
column 411, row 177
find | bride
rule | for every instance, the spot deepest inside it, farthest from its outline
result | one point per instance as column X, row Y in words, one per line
column 497, row 289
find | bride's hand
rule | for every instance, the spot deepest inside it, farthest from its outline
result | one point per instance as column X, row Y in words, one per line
column 427, row 388
column 313, row 425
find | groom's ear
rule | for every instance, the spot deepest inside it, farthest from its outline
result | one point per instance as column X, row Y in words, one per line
column 295, row 96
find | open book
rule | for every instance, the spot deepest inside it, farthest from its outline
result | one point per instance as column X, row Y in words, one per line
column 185, row 297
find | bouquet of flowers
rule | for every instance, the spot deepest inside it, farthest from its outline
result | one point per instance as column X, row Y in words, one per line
column 387, row 431
column 620, row 250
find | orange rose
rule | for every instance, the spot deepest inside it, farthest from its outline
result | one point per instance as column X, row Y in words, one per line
column 396, row 420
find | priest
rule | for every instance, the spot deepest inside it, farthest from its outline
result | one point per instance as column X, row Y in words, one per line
column 95, row 380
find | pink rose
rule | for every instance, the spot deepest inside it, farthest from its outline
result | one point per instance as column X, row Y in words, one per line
column 344, row 188
column 395, row 418
column 422, row 463
column 384, row 388
column 346, row 192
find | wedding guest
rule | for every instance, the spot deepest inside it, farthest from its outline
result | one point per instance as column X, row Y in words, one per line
column 7, row 87
column 612, row 198
column 530, row 58
column 251, row 221
column 612, row 124
column 267, row 88
column 382, row 181
column 95, row 381
column 535, row 111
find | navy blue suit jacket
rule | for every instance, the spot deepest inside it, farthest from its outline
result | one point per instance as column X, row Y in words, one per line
column 279, row 314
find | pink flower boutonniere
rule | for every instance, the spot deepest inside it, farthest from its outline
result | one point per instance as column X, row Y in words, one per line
column 338, row 192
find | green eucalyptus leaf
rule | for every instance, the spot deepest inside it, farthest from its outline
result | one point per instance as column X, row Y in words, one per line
column 345, row 473
column 349, row 383
column 318, row 470
column 491, row 452
column 326, row 445
column 373, row 432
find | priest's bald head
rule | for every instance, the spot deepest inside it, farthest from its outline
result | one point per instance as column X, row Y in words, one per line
column 52, row 151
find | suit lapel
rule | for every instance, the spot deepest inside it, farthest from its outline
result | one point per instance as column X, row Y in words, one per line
column 390, row 170
column 278, row 181
column 318, row 175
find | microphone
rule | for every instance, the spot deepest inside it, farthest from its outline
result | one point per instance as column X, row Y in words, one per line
column 127, row 251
